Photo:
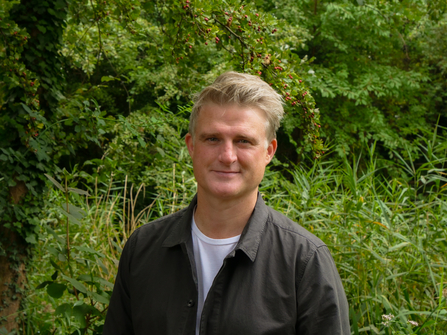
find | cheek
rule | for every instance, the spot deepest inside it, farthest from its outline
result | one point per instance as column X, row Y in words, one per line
column 255, row 162
column 201, row 157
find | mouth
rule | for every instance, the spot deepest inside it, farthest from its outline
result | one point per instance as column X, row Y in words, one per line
column 225, row 173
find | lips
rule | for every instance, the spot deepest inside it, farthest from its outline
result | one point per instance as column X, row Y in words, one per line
column 225, row 173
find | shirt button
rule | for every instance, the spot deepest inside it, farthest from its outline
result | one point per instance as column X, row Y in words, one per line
column 191, row 303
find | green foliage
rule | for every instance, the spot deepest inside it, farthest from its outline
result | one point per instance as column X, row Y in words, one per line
column 80, row 242
column 387, row 236
column 38, row 125
column 78, row 268
column 169, row 50
column 105, row 87
column 48, row 114
column 83, row 232
column 370, row 73
column 78, row 288
column 161, row 133
column 24, row 155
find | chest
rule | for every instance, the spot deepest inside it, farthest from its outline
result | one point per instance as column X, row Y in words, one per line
column 245, row 297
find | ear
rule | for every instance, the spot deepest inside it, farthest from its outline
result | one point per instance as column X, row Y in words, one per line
column 189, row 143
column 271, row 149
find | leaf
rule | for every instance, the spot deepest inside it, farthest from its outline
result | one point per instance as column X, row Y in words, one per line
column 398, row 246
column 90, row 279
column 141, row 141
column 161, row 151
column 55, row 182
column 64, row 309
column 27, row 109
column 89, row 250
column 107, row 78
column 44, row 284
column 106, row 283
column 56, row 290
column 56, row 236
column 70, row 217
column 77, row 212
column 55, row 265
column 101, row 264
column 31, row 238
column 41, row 154
column 62, row 257
column 85, row 278
column 42, row 29
column 380, row 224
column 77, row 285
column 82, row 309
column 54, row 275
column 100, row 298
column 78, row 191
column 79, row 312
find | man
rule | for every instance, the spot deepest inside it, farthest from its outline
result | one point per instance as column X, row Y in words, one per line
column 228, row 264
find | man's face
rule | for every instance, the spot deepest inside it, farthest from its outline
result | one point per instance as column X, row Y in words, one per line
column 230, row 150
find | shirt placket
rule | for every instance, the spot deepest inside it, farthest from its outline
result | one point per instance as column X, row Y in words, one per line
column 192, row 302
column 210, row 319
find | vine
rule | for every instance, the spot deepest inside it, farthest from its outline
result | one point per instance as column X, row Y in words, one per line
column 249, row 37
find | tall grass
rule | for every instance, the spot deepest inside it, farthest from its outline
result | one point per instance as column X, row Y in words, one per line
column 81, row 239
column 388, row 235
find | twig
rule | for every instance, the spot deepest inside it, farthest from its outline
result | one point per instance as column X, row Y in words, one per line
column 68, row 222
column 124, row 208
column 232, row 32
column 178, row 34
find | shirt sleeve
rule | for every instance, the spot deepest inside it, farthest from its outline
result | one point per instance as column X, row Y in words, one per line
column 119, row 314
column 322, row 304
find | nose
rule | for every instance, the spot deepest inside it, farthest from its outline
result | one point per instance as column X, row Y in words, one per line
column 228, row 153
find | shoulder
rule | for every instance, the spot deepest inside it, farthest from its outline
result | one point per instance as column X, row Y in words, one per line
column 310, row 255
column 290, row 230
column 161, row 224
column 156, row 232
column 288, row 240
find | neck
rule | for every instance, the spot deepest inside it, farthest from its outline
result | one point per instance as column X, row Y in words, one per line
column 218, row 218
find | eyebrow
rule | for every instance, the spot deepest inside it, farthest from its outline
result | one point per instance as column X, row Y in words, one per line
column 204, row 136
column 248, row 138
column 207, row 135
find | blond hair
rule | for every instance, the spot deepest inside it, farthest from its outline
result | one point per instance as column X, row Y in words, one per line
column 244, row 90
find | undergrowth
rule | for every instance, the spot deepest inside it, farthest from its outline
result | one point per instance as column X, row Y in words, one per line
column 388, row 237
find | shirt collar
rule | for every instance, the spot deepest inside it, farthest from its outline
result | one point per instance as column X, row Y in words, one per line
column 250, row 237
column 181, row 231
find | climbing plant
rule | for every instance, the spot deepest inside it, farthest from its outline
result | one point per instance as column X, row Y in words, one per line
column 66, row 83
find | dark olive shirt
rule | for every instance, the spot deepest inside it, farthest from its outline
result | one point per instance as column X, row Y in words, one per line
column 280, row 279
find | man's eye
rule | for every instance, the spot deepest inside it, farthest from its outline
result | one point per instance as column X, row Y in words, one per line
column 212, row 139
column 243, row 141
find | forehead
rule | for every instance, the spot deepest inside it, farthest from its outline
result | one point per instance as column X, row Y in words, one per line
column 232, row 115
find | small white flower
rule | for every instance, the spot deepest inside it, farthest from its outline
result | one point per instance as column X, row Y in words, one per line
column 413, row 323
column 387, row 317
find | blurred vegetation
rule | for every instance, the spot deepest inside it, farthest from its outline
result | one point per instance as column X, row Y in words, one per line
column 95, row 98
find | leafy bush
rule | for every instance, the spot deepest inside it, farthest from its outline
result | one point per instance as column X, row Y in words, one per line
column 387, row 236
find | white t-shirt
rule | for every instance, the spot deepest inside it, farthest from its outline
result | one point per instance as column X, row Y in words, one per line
column 209, row 254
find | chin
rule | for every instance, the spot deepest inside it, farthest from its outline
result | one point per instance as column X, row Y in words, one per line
column 231, row 193
column 226, row 194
